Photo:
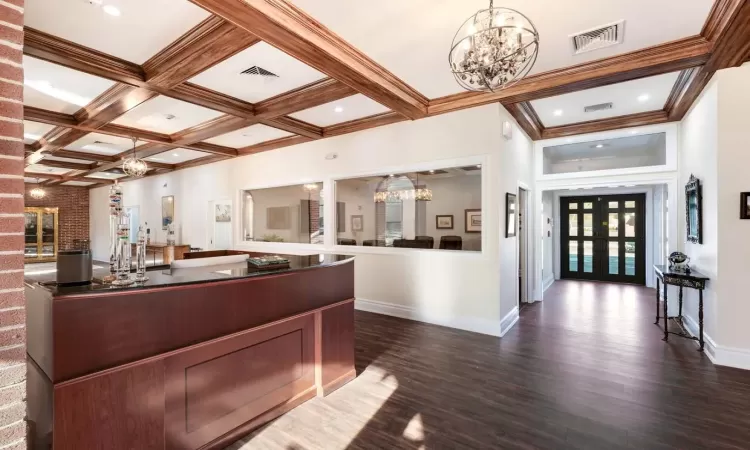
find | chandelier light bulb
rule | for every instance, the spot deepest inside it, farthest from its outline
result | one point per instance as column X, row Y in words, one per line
column 37, row 193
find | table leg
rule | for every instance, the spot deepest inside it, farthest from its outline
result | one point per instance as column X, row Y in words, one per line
column 657, row 301
column 680, row 315
column 700, row 319
column 666, row 317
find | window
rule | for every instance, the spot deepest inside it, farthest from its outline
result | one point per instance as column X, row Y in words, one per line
column 284, row 214
column 434, row 209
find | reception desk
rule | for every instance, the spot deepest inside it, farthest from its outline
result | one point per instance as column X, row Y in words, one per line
column 191, row 359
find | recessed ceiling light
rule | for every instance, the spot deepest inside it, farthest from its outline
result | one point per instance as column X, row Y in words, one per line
column 479, row 166
column 633, row 131
column 338, row 109
column 558, row 112
column 111, row 10
column 175, row 155
column 599, row 145
column 391, row 175
column 432, row 171
column 643, row 98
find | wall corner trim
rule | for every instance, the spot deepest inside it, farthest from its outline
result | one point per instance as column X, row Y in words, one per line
column 509, row 321
column 473, row 324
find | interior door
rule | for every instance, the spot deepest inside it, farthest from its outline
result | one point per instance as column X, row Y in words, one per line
column 603, row 238
column 40, row 236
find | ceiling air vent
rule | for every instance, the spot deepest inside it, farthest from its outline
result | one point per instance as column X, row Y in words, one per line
column 259, row 71
column 599, row 107
column 600, row 37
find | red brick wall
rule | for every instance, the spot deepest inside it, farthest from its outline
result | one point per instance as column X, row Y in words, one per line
column 73, row 209
column 12, row 309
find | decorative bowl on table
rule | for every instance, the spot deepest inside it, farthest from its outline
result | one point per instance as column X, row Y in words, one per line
column 679, row 262
column 267, row 262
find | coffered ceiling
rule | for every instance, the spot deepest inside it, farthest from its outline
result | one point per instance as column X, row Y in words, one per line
column 170, row 73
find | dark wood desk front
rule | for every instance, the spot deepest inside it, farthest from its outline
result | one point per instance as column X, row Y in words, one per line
column 193, row 366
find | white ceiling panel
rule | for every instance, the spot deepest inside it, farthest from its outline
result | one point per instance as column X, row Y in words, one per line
column 33, row 131
column 177, row 156
column 251, row 135
column 227, row 78
column 42, row 169
column 166, row 115
column 344, row 110
column 631, row 97
column 412, row 38
column 33, row 180
column 106, row 175
column 77, row 183
column 79, row 161
column 57, row 88
column 142, row 28
column 102, row 144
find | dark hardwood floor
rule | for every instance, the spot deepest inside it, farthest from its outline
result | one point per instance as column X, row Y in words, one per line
column 585, row 369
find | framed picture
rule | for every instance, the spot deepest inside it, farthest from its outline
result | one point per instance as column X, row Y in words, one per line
column 510, row 215
column 223, row 213
column 473, row 218
column 167, row 211
column 745, row 205
column 444, row 222
column 357, row 224
column 278, row 218
column 694, row 210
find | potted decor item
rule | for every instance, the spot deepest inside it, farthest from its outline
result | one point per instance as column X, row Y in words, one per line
column 678, row 262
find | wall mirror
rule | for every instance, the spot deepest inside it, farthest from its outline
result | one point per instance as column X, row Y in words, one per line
column 694, row 210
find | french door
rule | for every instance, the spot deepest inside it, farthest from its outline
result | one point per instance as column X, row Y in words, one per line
column 603, row 238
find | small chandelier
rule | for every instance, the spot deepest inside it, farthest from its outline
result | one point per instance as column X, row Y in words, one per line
column 37, row 193
column 420, row 194
column 134, row 166
column 493, row 49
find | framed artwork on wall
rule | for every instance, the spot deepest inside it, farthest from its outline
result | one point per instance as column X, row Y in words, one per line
column 278, row 218
column 473, row 220
column 510, row 215
column 745, row 205
column 358, row 223
column 444, row 222
column 694, row 210
column 223, row 213
column 167, row 211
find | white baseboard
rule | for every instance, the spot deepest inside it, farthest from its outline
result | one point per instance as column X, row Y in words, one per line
column 547, row 283
column 508, row 321
column 719, row 354
column 475, row 324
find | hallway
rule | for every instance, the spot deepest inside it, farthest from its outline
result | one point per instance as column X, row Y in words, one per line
column 584, row 369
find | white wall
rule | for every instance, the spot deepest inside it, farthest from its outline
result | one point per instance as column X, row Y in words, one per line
column 548, row 234
column 461, row 289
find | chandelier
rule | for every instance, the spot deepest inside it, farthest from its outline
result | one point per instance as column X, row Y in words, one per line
column 392, row 192
column 37, row 193
column 134, row 166
column 493, row 49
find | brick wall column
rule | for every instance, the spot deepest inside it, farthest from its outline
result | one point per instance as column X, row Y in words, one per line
column 12, row 309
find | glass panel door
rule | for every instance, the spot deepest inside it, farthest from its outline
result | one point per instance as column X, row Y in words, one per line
column 41, row 235
column 603, row 238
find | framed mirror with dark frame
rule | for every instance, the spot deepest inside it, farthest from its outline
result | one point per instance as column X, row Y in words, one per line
column 694, row 210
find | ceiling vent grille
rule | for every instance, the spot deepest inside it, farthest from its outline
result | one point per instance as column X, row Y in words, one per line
column 599, row 107
column 600, row 37
column 259, row 71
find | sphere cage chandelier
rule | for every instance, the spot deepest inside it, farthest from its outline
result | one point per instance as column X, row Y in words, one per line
column 494, row 49
column 134, row 166
column 37, row 193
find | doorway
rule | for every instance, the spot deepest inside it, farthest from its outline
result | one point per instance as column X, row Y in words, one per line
column 219, row 225
column 603, row 238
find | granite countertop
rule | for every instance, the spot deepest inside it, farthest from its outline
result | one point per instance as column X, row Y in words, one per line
column 198, row 275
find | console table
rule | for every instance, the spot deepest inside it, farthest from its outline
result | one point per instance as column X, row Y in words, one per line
column 691, row 279
column 169, row 252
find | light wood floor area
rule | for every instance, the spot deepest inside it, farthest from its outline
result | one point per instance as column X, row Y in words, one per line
column 586, row 369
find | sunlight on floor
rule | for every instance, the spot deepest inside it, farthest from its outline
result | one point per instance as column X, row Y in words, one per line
column 297, row 428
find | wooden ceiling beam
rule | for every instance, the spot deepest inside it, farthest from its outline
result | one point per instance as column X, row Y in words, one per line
column 614, row 123
column 657, row 60
column 727, row 29
column 84, row 156
column 288, row 28
column 527, row 119
column 198, row 95
column 216, row 127
column 69, row 54
column 305, row 97
column 111, row 104
column 48, row 176
column 364, row 123
column 295, row 126
column 274, row 144
column 201, row 161
column 67, row 164
column 205, row 45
